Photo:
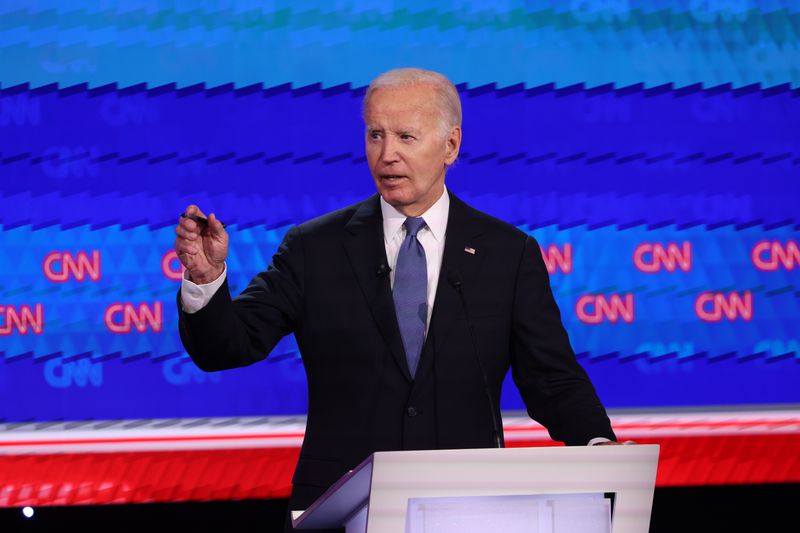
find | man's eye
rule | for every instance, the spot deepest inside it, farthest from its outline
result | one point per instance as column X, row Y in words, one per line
column 374, row 135
column 406, row 137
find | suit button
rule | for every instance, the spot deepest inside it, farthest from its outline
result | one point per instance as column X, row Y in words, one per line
column 412, row 411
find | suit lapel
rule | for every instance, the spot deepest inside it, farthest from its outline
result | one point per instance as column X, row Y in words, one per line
column 463, row 253
column 366, row 251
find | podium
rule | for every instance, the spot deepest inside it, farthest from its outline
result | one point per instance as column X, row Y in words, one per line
column 521, row 487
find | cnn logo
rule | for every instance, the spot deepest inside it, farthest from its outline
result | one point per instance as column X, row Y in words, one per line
column 127, row 317
column 21, row 320
column 713, row 306
column 597, row 308
column 771, row 255
column 654, row 257
column 61, row 266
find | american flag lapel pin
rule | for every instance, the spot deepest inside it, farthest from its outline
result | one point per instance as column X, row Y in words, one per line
column 470, row 250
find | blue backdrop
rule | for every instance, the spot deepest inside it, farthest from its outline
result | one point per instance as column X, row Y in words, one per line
column 650, row 147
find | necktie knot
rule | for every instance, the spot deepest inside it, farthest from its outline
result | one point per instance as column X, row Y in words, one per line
column 413, row 225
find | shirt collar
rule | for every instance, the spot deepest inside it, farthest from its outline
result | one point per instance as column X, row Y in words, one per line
column 435, row 218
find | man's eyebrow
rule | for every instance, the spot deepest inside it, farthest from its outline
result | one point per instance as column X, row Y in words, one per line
column 399, row 131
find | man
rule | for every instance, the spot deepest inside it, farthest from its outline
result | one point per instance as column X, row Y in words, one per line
column 381, row 296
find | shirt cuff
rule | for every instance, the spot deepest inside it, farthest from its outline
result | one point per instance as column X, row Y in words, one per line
column 194, row 297
column 598, row 440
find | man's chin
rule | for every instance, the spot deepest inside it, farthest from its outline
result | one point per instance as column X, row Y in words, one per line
column 394, row 198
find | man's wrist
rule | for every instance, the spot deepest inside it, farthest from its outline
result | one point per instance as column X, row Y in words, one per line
column 206, row 278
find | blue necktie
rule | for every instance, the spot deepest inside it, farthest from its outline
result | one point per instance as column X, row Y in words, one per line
column 410, row 293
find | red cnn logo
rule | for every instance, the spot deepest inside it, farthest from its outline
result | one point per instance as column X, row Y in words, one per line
column 770, row 255
column 21, row 320
column 171, row 266
column 711, row 306
column 59, row 266
column 594, row 309
column 124, row 317
column 556, row 258
column 652, row 257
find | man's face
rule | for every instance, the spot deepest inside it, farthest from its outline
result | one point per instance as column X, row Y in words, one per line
column 406, row 152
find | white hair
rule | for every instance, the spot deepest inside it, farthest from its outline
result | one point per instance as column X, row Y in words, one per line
column 447, row 99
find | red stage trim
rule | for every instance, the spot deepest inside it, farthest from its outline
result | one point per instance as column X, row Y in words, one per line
column 190, row 461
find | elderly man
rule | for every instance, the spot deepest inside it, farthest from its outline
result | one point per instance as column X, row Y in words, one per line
column 408, row 307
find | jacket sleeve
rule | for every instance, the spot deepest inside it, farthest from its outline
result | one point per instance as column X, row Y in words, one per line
column 230, row 333
column 555, row 388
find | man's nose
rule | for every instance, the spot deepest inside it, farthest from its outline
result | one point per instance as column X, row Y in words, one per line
column 389, row 149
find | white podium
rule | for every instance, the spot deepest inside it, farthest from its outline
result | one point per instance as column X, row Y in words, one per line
column 544, row 490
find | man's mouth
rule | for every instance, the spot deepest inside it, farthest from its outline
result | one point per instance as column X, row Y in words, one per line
column 391, row 177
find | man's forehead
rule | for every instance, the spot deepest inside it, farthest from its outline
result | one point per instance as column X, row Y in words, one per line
column 399, row 113
column 402, row 98
column 394, row 108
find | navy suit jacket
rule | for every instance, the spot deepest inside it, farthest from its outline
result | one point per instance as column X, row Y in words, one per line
column 326, row 286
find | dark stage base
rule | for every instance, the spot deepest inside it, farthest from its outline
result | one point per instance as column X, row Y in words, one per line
column 708, row 509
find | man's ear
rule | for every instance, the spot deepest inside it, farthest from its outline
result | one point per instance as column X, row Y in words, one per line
column 452, row 145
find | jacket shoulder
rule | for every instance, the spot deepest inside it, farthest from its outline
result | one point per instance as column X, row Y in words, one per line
column 494, row 227
column 333, row 221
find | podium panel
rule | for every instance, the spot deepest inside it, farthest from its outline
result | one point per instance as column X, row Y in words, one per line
column 541, row 513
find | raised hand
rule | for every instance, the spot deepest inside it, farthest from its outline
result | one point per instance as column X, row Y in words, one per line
column 202, row 248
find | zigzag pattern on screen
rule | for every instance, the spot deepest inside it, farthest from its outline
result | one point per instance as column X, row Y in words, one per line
column 719, row 41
